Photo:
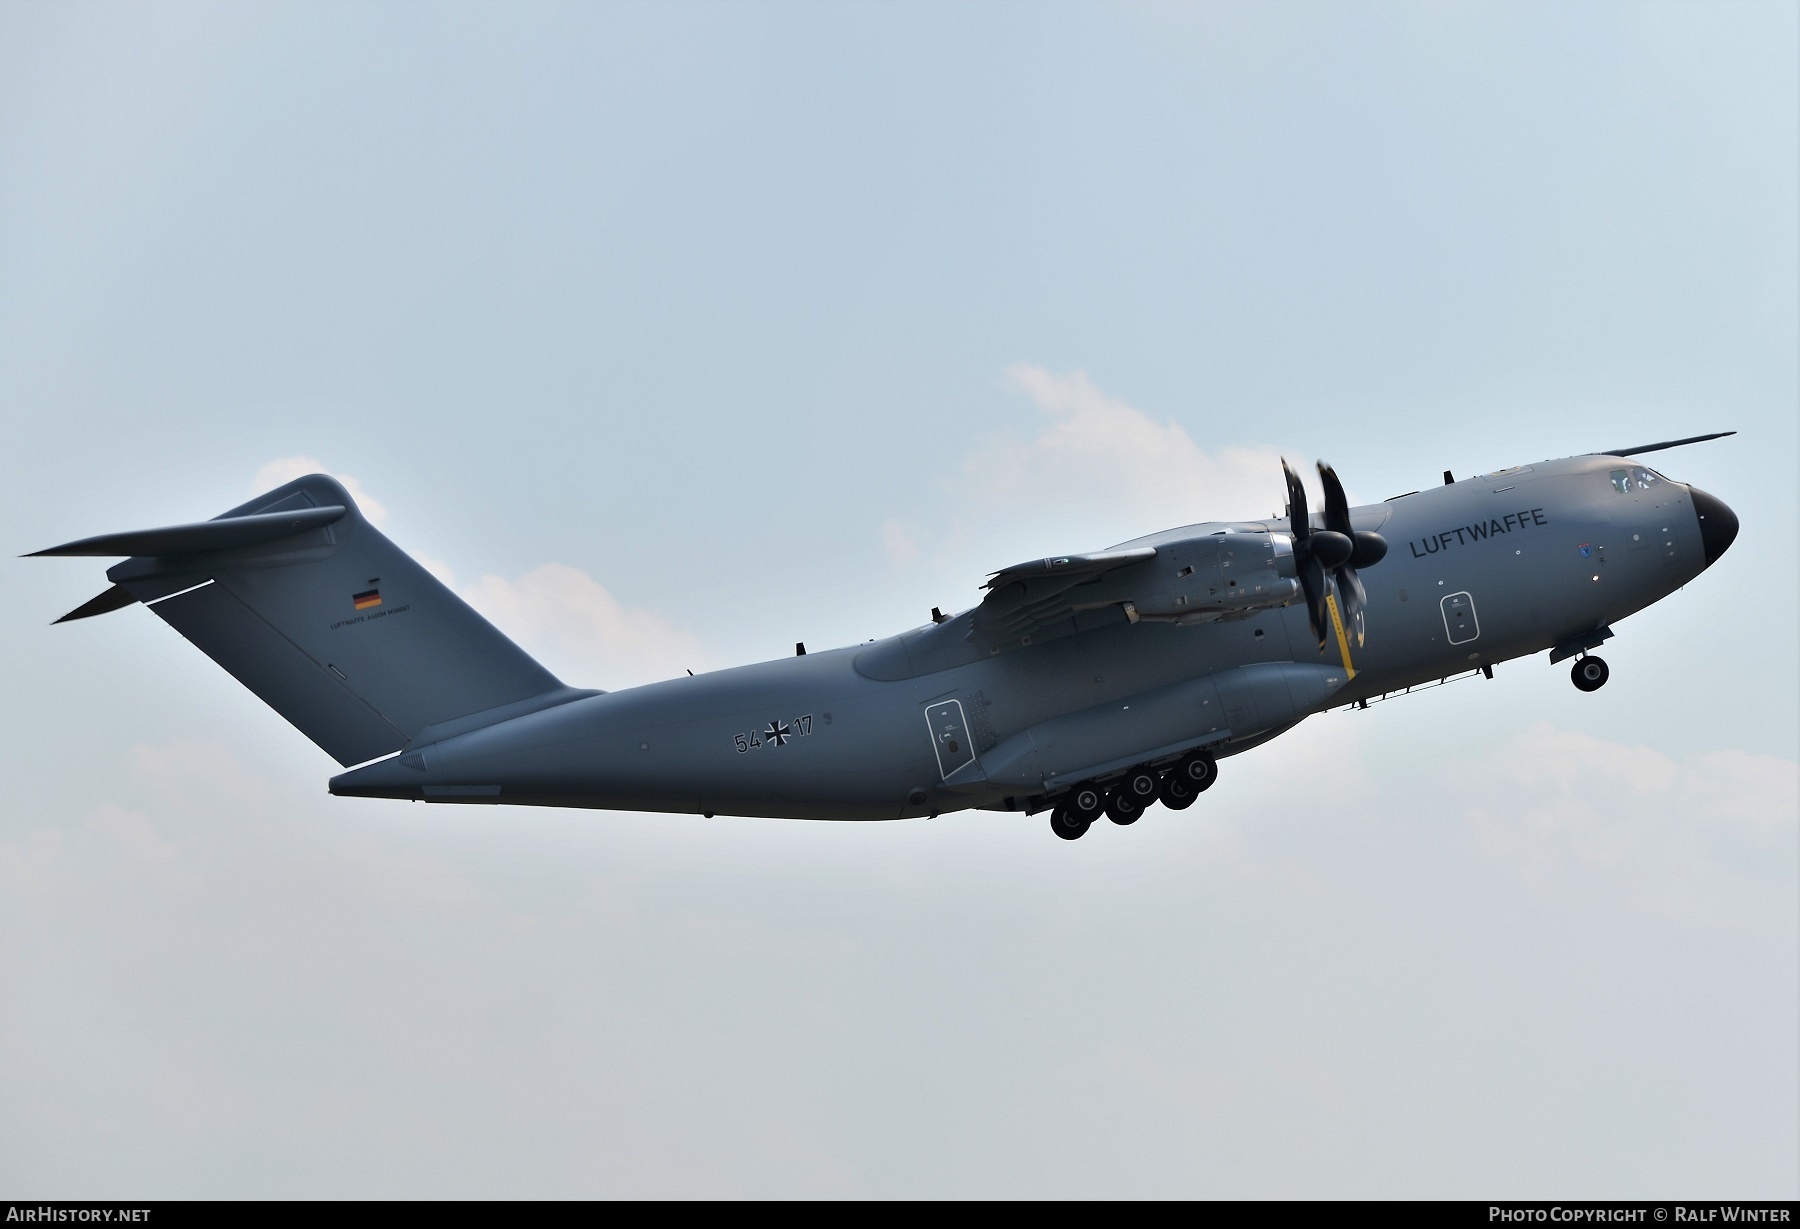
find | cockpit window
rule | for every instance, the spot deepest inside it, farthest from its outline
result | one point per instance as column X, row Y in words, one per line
column 1637, row 478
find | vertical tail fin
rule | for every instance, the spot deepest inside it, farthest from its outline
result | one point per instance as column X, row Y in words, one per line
column 336, row 628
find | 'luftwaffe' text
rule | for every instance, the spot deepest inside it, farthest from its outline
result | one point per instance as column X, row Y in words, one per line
column 1462, row 535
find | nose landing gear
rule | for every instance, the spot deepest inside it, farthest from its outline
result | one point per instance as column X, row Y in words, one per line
column 1589, row 674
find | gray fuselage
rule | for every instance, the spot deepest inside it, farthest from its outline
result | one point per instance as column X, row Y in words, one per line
column 941, row 718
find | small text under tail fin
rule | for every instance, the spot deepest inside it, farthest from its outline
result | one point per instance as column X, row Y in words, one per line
column 335, row 627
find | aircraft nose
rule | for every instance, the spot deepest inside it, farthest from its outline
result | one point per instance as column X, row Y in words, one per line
column 1718, row 524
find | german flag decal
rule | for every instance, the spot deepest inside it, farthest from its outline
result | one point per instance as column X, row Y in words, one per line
column 366, row 601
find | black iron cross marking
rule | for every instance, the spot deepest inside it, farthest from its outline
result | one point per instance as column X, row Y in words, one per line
column 778, row 733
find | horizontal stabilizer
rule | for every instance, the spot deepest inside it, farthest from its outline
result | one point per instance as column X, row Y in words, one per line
column 116, row 598
column 224, row 534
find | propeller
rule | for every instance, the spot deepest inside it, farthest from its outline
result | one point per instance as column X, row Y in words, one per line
column 1325, row 560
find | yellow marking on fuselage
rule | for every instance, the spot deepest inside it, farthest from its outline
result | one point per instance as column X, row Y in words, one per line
column 1337, row 625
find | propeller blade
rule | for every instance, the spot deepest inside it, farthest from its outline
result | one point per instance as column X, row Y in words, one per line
column 1312, row 583
column 1297, row 518
column 1325, row 560
column 1354, row 597
column 1370, row 546
column 1337, row 507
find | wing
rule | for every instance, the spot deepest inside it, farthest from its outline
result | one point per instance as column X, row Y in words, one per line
column 1044, row 595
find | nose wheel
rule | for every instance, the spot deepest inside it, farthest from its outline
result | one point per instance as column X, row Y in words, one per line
column 1589, row 674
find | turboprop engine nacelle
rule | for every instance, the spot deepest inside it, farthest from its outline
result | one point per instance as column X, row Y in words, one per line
column 1227, row 574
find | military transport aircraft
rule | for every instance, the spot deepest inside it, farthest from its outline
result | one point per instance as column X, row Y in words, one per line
column 1082, row 685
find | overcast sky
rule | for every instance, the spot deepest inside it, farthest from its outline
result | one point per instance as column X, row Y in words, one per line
column 674, row 334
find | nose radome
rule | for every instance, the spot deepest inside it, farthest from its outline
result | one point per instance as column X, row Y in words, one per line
column 1718, row 524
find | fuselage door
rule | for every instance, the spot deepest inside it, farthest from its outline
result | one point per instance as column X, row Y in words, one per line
column 949, row 736
column 1460, row 623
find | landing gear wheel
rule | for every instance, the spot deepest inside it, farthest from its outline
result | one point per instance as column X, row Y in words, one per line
column 1176, row 793
column 1085, row 802
column 1590, row 674
column 1122, row 808
column 1199, row 770
column 1067, row 827
column 1140, row 786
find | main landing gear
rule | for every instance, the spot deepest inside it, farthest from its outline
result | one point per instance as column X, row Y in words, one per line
column 1125, row 801
column 1589, row 674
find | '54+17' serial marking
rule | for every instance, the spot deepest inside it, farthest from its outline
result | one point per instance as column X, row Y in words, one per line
column 775, row 734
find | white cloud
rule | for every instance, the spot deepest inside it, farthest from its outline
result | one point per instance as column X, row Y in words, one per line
column 134, row 833
column 438, row 568
column 1761, row 791
column 582, row 632
column 25, row 863
column 402, row 877
column 286, row 469
column 167, row 784
column 558, row 613
column 1704, row 836
column 1099, row 447
column 1101, row 471
column 898, row 541
column 188, row 772
column 365, row 948
column 1097, row 471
